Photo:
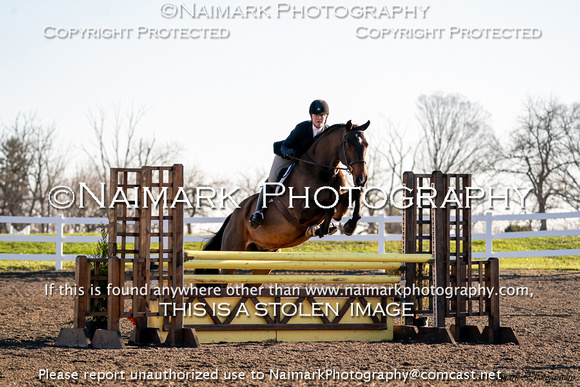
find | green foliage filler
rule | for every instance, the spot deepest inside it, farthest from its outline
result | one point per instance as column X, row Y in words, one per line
column 517, row 228
column 101, row 250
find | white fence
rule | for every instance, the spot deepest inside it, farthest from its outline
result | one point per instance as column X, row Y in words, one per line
column 60, row 238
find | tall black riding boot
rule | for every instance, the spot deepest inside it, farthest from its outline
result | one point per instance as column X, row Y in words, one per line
column 257, row 217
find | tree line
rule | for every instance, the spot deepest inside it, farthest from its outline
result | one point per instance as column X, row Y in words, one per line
column 456, row 136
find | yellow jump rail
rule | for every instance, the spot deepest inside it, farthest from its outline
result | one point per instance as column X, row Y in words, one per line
column 328, row 257
column 292, row 279
column 289, row 265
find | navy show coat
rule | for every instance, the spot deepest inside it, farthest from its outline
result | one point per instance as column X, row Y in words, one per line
column 298, row 138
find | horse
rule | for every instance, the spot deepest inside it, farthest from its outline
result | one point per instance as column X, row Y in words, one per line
column 287, row 225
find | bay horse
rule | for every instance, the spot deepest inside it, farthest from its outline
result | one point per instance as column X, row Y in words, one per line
column 287, row 226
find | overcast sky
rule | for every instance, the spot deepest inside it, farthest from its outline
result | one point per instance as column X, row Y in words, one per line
column 226, row 100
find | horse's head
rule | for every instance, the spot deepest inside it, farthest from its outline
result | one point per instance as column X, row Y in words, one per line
column 353, row 150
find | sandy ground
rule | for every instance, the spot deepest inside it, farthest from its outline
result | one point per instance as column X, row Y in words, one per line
column 547, row 325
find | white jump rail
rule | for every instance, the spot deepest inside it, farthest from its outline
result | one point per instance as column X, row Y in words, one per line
column 59, row 238
column 381, row 237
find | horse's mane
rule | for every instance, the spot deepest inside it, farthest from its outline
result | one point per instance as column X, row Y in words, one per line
column 324, row 133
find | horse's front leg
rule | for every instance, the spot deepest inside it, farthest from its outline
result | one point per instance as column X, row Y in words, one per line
column 351, row 224
column 325, row 226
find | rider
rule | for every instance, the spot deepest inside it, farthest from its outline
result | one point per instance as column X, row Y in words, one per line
column 289, row 148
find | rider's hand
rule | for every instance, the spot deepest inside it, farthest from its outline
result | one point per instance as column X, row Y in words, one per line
column 289, row 153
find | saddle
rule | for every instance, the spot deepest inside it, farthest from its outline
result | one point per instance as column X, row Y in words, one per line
column 284, row 210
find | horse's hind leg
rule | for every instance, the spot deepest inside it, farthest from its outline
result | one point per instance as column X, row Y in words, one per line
column 236, row 238
column 253, row 247
column 237, row 241
column 232, row 243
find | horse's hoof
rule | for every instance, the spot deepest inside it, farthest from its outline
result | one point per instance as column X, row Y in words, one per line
column 332, row 230
column 319, row 233
column 311, row 231
column 349, row 228
column 256, row 220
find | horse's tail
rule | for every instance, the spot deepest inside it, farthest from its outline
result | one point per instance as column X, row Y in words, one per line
column 215, row 243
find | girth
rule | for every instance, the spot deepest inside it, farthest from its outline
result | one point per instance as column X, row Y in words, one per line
column 291, row 218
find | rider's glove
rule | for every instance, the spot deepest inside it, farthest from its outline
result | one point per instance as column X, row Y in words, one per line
column 289, row 153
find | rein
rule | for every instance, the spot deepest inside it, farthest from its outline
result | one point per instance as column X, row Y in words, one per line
column 342, row 157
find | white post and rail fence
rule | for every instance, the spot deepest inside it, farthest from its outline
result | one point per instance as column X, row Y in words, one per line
column 60, row 237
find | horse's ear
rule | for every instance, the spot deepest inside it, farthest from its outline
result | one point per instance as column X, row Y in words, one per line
column 349, row 125
column 364, row 126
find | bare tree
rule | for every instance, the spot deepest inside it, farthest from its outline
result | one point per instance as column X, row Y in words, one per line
column 250, row 183
column 396, row 154
column 30, row 166
column 46, row 170
column 193, row 178
column 540, row 150
column 15, row 161
column 569, row 177
column 456, row 134
column 388, row 157
column 118, row 143
column 91, row 209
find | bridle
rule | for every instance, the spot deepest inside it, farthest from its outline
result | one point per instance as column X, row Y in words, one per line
column 342, row 157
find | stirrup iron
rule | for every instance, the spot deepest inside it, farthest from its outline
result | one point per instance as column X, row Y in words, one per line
column 256, row 219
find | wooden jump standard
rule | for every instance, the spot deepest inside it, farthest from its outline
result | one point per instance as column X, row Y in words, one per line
column 436, row 252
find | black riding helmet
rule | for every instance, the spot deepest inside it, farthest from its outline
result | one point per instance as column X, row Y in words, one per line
column 318, row 107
